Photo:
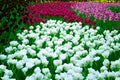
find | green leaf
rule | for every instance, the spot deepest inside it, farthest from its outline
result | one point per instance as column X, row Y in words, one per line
column 3, row 7
column 0, row 12
column 11, row 16
column 1, row 25
column 4, row 19
column 1, row 71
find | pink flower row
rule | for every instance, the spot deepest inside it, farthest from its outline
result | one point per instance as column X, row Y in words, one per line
column 97, row 9
column 63, row 9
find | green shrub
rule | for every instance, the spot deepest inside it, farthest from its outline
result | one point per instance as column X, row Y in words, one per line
column 10, row 14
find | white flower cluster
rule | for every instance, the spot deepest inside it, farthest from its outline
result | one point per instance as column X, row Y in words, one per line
column 68, row 72
column 40, row 75
column 62, row 51
column 7, row 74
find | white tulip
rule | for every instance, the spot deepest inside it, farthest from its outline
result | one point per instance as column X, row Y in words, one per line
column 49, row 43
column 25, row 41
column 3, row 57
column 9, row 73
column 59, row 69
column 31, row 52
column 44, row 61
column 37, row 69
column 57, row 77
column 24, row 70
column 117, row 78
column 57, row 62
column 29, row 65
column 31, row 27
column 91, row 77
column 12, row 79
column 115, row 65
column 62, row 56
column 12, row 61
column 3, row 67
column 68, row 77
column 45, row 70
column 8, row 49
column 30, row 78
column 13, row 43
column 103, row 68
column 97, row 58
column 39, row 76
column 106, row 62
column 20, row 64
column 5, row 77
column 68, row 66
column 77, row 69
column 77, row 76
column 106, row 54
column 98, row 28
column 37, row 61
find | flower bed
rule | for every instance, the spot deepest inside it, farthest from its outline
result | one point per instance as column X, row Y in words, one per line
column 57, row 50
column 106, row 15
column 97, row 9
column 53, row 10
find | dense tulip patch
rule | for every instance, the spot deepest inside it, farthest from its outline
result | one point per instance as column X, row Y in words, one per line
column 57, row 50
column 98, row 10
column 40, row 12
